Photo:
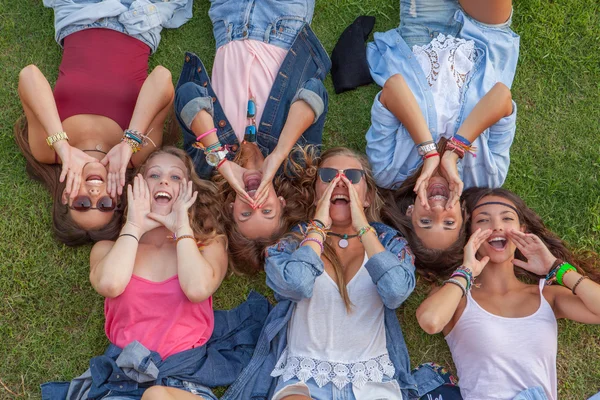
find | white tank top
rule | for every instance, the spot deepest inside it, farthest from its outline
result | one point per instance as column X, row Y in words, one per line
column 498, row 357
column 330, row 344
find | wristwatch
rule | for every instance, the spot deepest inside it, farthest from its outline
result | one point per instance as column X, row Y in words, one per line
column 214, row 158
column 56, row 137
column 426, row 147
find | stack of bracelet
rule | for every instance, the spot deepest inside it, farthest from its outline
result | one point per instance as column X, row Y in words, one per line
column 318, row 227
column 136, row 140
column 362, row 231
column 213, row 148
column 463, row 272
column 460, row 146
column 557, row 272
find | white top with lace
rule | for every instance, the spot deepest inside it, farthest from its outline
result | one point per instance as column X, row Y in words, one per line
column 446, row 62
column 330, row 344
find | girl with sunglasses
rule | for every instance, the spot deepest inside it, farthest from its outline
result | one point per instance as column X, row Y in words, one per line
column 501, row 329
column 80, row 137
column 445, row 118
column 158, row 279
column 265, row 97
column 338, row 278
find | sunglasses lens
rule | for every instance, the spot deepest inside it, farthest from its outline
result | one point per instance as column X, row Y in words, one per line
column 354, row 175
column 327, row 174
column 82, row 203
column 105, row 204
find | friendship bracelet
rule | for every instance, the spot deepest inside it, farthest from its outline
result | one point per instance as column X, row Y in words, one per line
column 318, row 231
column 426, row 156
column 319, row 223
column 465, row 273
column 221, row 163
column 581, row 279
column 462, row 139
column 457, row 283
column 184, row 237
column 206, row 134
column 317, row 241
column 362, row 231
column 129, row 234
column 455, row 144
column 213, row 147
column 134, row 145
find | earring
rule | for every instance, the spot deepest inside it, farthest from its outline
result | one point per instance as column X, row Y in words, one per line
column 231, row 205
column 281, row 198
column 411, row 207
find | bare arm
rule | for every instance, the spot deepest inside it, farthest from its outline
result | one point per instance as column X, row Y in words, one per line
column 583, row 306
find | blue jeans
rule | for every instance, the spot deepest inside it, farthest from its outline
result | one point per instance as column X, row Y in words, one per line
column 332, row 392
column 300, row 77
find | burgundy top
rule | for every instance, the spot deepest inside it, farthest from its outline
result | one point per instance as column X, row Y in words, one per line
column 101, row 73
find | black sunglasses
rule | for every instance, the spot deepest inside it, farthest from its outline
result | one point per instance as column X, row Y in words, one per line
column 353, row 175
column 84, row 203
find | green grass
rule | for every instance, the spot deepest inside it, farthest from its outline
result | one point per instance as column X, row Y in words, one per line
column 51, row 320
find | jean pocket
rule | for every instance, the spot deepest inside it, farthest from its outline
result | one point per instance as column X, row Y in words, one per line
column 141, row 19
column 288, row 27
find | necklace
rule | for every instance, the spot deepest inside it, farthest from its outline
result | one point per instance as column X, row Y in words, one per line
column 98, row 150
column 343, row 242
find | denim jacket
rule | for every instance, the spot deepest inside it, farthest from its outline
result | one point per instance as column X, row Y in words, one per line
column 142, row 19
column 300, row 78
column 390, row 148
column 291, row 273
column 130, row 371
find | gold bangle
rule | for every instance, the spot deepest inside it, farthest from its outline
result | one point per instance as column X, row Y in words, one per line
column 184, row 237
column 56, row 137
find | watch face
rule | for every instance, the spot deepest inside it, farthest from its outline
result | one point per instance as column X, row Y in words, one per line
column 212, row 159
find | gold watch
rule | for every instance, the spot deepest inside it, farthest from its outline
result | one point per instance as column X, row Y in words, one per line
column 56, row 137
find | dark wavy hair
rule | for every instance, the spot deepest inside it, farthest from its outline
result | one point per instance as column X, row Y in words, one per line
column 430, row 263
column 587, row 263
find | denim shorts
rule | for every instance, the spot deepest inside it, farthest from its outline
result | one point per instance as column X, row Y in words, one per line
column 386, row 390
column 193, row 388
column 422, row 20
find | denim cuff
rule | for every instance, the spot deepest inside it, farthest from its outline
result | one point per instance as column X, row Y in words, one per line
column 313, row 100
column 193, row 107
column 380, row 264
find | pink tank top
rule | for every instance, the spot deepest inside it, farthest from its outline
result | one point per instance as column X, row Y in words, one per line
column 498, row 357
column 159, row 316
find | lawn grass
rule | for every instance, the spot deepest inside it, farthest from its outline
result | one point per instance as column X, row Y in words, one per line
column 51, row 320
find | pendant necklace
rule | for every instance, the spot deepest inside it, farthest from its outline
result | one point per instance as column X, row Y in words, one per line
column 343, row 242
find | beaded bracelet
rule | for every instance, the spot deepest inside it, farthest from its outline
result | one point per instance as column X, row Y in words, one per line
column 138, row 137
column 184, row 237
column 320, row 232
column 362, row 231
column 578, row 282
column 457, row 283
column 135, row 146
column 465, row 273
column 317, row 241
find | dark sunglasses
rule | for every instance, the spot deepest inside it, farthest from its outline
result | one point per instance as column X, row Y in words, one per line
column 84, row 203
column 353, row 175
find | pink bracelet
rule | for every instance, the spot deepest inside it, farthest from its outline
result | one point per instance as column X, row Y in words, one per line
column 206, row 134
column 317, row 241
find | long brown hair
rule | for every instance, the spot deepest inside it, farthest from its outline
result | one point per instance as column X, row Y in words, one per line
column 430, row 263
column 584, row 262
column 207, row 218
column 294, row 185
column 64, row 227
column 372, row 212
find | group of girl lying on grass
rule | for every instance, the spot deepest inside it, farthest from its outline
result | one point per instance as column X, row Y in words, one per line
column 340, row 243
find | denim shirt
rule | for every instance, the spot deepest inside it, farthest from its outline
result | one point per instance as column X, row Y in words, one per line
column 142, row 19
column 291, row 273
column 391, row 150
column 300, row 78
column 275, row 22
column 130, row 371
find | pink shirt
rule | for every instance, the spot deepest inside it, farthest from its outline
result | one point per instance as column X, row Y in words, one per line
column 159, row 316
column 245, row 69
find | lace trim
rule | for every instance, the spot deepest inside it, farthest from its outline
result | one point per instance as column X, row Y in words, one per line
column 447, row 47
column 339, row 374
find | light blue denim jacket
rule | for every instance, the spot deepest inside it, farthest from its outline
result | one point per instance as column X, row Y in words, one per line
column 270, row 21
column 391, row 151
column 291, row 273
column 142, row 19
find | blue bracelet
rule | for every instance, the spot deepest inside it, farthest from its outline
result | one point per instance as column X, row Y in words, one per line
column 462, row 139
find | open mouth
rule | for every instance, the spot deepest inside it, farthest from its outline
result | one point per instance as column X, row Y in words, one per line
column 498, row 243
column 437, row 191
column 162, row 198
column 95, row 179
column 340, row 200
column 252, row 182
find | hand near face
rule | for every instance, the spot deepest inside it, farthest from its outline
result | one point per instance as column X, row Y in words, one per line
column 357, row 207
column 268, row 169
column 138, row 206
column 539, row 258
column 429, row 166
column 449, row 170
column 234, row 173
column 178, row 218
column 73, row 160
column 116, row 160
column 322, row 212
column 470, row 256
